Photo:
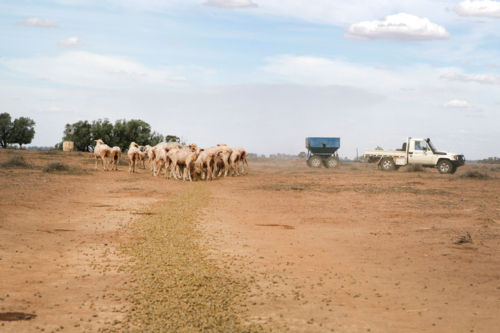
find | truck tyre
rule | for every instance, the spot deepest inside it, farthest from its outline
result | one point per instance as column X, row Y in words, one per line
column 445, row 166
column 332, row 162
column 388, row 164
column 315, row 162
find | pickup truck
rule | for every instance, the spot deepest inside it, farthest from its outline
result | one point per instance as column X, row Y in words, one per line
column 416, row 151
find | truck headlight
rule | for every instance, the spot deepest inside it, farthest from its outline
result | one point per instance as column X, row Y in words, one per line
column 454, row 157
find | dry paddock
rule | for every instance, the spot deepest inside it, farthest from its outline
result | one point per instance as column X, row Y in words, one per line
column 285, row 248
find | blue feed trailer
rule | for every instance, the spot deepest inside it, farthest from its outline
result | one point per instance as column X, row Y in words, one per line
column 323, row 151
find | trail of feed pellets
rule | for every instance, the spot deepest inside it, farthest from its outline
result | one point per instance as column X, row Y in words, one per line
column 176, row 288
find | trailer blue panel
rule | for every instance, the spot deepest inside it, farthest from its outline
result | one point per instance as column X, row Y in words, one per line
column 322, row 146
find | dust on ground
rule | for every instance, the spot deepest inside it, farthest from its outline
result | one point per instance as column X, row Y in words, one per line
column 353, row 249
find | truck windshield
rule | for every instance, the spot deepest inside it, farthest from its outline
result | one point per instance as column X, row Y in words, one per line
column 432, row 146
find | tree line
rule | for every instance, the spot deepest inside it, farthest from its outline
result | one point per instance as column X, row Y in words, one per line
column 490, row 160
column 20, row 131
column 121, row 134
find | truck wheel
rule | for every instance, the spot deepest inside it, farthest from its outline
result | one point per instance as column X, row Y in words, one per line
column 332, row 162
column 388, row 164
column 315, row 162
column 445, row 166
column 454, row 169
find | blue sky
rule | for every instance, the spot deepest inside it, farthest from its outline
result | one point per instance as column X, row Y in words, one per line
column 262, row 74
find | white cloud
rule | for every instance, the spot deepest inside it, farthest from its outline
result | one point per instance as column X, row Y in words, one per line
column 40, row 23
column 400, row 27
column 116, row 71
column 178, row 79
column 463, row 62
column 478, row 78
column 230, row 3
column 85, row 69
column 70, row 42
column 457, row 104
column 486, row 8
column 490, row 64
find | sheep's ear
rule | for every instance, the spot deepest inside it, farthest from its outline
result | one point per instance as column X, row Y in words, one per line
column 202, row 149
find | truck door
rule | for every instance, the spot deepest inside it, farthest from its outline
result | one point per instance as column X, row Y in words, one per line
column 420, row 153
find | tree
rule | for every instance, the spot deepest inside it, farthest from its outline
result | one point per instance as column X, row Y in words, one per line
column 172, row 138
column 379, row 148
column 5, row 129
column 155, row 138
column 102, row 129
column 23, row 131
column 80, row 134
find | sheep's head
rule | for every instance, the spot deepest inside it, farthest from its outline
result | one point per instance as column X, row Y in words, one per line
column 133, row 144
column 99, row 141
column 221, row 144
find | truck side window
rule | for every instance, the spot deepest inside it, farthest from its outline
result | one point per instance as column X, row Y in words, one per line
column 421, row 145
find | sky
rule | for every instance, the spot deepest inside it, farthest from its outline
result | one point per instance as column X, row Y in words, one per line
column 260, row 74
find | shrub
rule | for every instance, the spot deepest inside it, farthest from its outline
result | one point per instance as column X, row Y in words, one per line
column 56, row 166
column 415, row 168
column 474, row 174
column 17, row 161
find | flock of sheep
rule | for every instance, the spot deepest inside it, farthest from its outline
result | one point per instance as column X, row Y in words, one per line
column 181, row 162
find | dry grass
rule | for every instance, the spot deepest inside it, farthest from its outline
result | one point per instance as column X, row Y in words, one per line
column 178, row 289
column 474, row 174
column 60, row 167
column 414, row 168
column 17, row 161
column 286, row 187
column 53, row 152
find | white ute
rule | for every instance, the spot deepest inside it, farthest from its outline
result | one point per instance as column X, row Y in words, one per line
column 416, row 151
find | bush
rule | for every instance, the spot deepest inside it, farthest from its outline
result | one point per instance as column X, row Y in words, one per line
column 415, row 168
column 17, row 161
column 56, row 166
column 474, row 174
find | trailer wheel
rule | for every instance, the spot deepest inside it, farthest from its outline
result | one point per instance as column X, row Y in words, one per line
column 315, row 162
column 388, row 164
column 445, row 166
column 332, row 162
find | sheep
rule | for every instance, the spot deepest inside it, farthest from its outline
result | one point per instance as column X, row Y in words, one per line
column 133, row 153
column 161, row 160
column 141, row 157
column 239, row 155
column 225, row 158
column 101, row 151
column 115, row 156
column 183, row 157
column 206, row 162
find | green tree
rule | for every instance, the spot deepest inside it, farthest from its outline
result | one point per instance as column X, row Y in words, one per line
column 118, row 135
column 379, row 148
column 102, row 129
column 138, row 131
column 5, row 129
column 23, row 131
column 172, row 138
column 155, row 138
column 80, row 134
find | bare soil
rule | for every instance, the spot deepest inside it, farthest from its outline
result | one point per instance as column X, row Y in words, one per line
column 352, row 249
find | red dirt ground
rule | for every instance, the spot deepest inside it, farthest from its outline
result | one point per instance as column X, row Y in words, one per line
column 348, row 250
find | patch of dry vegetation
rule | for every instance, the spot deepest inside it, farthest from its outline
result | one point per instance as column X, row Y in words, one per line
column 414, row 168
column 17, row 161
column 177, row 288
column 60, row 167
column 474, row 174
